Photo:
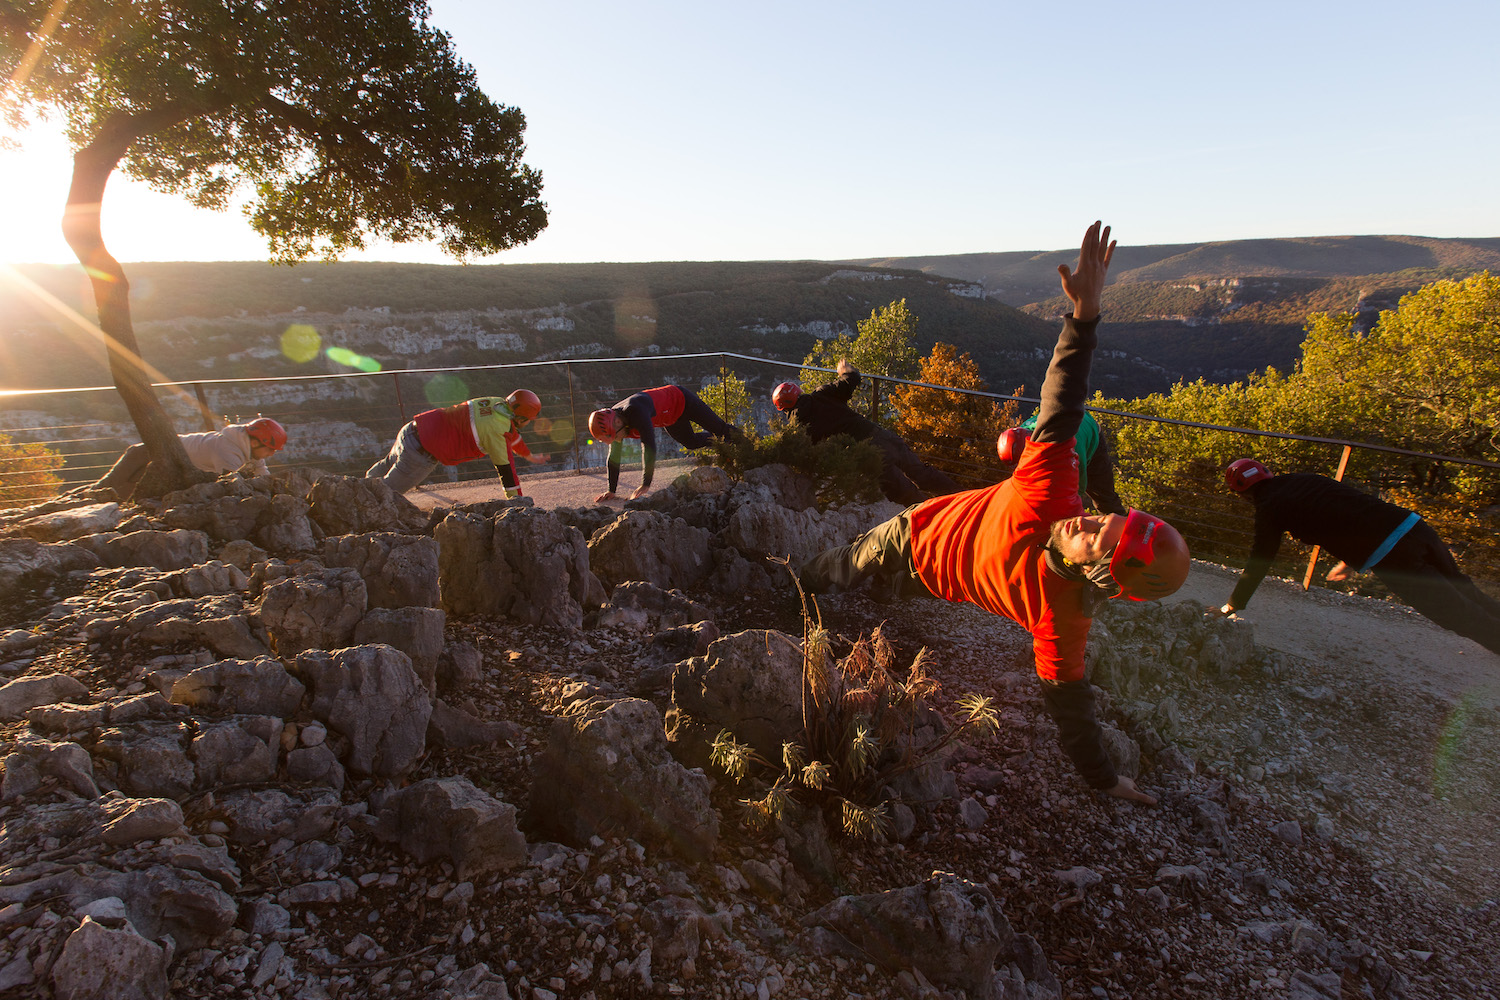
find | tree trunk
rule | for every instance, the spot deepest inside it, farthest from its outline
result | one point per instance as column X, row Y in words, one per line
column 92, row 166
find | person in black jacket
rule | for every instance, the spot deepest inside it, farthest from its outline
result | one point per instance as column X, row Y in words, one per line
column 1366, row 534
column 825, row 412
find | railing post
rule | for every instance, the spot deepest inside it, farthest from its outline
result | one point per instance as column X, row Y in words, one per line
column 209, row 423
column 573, row 416
column 1312, row 564
column 723, row 387
column 396, row 381
column 875, row 399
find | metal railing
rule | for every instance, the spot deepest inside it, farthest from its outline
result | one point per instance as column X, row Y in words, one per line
column 343, row 422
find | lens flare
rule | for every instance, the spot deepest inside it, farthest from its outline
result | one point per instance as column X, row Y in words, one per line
column 635, row 320
column 344, row 356
column 300, row 343
column 445, row 390
column 561, row 431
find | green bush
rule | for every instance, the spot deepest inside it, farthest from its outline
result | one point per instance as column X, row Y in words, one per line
column 842, row 469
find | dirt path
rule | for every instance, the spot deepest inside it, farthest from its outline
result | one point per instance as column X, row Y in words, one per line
column 1327, row 626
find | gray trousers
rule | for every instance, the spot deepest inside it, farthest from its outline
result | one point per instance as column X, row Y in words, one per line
column 407, row 464
column 883, row 552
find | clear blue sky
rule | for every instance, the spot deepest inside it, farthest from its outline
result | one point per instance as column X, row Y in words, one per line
column 702, row 131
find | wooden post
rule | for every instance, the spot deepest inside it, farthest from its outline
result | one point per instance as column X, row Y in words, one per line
column 573, row 415
column 396, row 381
column 207, row 415
column 1312, row 564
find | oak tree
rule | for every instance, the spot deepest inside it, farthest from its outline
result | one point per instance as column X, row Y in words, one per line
column 343, row 120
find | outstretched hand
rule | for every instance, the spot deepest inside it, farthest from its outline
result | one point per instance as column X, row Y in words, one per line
column 604, row 497
column 1084, row 285
column 1124, row 788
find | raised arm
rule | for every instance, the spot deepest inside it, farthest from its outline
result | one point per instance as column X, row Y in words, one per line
column 1067, row 382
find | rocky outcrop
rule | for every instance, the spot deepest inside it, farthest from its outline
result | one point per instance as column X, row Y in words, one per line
column 765, row 528
column 24, row 562
column 450, row 819
column 59, row 526
column 749, row 683
column 251, row 687
column 372, row 697
column 606, row 768
column 399, row 571
column 650, row 546
column 523, row 563
column 346, row 505
column 315, row 611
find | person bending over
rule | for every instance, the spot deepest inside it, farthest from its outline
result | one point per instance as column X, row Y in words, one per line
column 486, row 426
column 231, row 448
column 1365, row 534
column 670, row 407
column 1025, row 549
column 825, row 412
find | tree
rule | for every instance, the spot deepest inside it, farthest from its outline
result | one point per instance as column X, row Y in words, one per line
column 884, row 346
column 346, row 119
column 953, row 431
column 28, row 472
column 730, row 398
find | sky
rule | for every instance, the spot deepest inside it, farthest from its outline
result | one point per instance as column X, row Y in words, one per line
column 824, row 129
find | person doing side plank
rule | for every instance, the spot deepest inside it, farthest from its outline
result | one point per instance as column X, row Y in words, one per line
column 1025, row 549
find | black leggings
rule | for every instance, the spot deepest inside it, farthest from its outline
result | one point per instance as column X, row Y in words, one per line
column 903, row 476
column 695, row 410
column 1421, row 571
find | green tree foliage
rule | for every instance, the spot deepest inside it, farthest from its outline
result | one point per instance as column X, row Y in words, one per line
column 885, row 345
column 345, row 120
column 28, row 473
column 1426, row 378
column 953, row 431
column 729, row 397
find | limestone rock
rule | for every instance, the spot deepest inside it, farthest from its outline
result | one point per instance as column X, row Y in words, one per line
column 417, row 632
column 59, row 526
column 24, row 562
column 749, row 683
column 651, row 546
column 606, row 768
column 451, row 819
column 260, row 686
column 100, row 963
column 317, row 611
column 399, row 570
column 25, row 693
column 523, row 563
column 347, row 505
column 372, row 697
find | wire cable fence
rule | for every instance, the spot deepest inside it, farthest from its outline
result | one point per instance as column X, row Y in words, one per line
column 342, row 423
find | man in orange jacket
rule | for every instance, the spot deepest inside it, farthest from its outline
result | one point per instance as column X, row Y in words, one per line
column 1025, row 549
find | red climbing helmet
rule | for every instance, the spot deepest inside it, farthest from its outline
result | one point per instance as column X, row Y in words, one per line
column 267, row 433
column 1011, row 442
column 1244, row 473
column 602, row 424
column 1150, row 560
column 524, row 404
column 785, row 395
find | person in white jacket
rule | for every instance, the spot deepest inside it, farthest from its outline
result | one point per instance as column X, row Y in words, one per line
column 235, row 447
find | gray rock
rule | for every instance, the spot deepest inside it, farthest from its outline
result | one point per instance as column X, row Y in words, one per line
column 34, row 758
column 98, row 963
column 770, row 529
column 247, row 687
column 24, row 562
column 523, row 563
column 285, row 527
column 177, row 549
column 243, row 553
column 372, row 697
column 345, row 505
column 456, row 729
column 264, row 917
column 948, row 928
column 782, row 485
column 1078, row 877
column 451, row 819
column 237, row 750
column 317, row 611
column 417, row 632
column 127, row 821
column 606, row 771
column 459, row 666
column 25, row 693
column 151, row 758
column 315, row 765
column 750, row 683
column 218, row 623
column 651, row 546
column 973, row 815
column 270, row 815
column 645, row 607
column 399, row 571
column 1288, row 832
column 59, row 526
column 1123, row 751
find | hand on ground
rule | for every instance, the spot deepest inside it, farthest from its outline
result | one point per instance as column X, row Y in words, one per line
column 605, row 497
column 538, row 459
column 640, row 492
column 1124, row 788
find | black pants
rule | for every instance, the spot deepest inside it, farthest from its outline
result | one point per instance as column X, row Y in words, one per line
column 904, row 477
column 695, row 410
column 1421, row 571
column 883, row 552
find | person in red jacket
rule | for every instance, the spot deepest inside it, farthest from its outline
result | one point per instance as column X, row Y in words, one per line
column 670, row 407
column 1025, row 549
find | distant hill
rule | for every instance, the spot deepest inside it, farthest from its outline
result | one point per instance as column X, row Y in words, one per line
column 1220, row 310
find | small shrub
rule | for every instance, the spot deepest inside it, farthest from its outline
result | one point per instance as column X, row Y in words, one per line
column 842, row 469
